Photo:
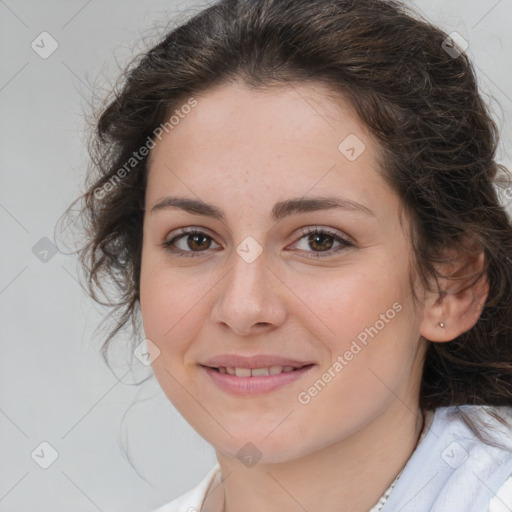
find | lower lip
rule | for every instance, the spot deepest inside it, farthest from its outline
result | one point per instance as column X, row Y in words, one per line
column 253, row 385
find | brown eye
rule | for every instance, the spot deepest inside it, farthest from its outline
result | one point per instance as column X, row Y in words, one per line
column 188, row 242
column 197, row 242
column 321, row 241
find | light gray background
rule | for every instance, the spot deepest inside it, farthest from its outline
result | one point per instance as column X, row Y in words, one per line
column 54, row 387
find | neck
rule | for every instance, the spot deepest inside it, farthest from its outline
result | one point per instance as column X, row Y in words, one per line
column 355, row 471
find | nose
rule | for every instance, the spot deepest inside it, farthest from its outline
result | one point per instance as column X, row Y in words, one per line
column 248, row 299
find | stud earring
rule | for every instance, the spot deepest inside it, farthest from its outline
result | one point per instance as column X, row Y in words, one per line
column 441, row 325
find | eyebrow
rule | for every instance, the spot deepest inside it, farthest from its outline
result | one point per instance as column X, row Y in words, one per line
column 280, row 210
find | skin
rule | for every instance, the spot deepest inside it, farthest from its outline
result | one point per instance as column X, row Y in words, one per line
column 243, row 150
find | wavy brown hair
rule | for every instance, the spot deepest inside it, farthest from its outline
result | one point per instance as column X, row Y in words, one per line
column 437, row 138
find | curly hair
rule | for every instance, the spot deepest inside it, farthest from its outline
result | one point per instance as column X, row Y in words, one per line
column 413, row 89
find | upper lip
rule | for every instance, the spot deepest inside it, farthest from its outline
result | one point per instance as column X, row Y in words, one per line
column 259, row 361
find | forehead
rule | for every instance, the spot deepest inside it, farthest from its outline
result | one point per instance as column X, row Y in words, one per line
column 235, row 113
column 270, row 143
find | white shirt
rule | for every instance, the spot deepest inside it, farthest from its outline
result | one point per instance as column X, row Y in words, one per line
column 192, row 500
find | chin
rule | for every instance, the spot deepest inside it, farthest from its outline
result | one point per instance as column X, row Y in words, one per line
column 257, row 447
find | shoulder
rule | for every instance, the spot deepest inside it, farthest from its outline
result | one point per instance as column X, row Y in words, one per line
column 488, row 425
column 192, row 500
column 463, row 460
column 487, row 435
column 503, row 499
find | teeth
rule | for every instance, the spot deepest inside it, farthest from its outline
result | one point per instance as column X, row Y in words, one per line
column 256, row 372
column 243, row 372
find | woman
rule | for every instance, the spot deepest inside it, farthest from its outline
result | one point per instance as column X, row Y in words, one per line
column 299, row 199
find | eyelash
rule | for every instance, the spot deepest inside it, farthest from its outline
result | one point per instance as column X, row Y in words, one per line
column 167, row 245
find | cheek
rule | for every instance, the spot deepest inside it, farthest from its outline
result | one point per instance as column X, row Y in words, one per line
column 174, row 304
column 166, row 315
column 163, row 304
column 367, row 320
column 166, row 295
column 347, row 302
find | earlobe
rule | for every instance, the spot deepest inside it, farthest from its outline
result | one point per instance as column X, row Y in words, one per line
column 458, row 306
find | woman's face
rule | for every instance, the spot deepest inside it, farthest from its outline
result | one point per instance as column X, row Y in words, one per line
column 254, row 281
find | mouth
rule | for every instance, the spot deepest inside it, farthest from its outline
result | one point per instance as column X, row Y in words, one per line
column 250, row 381
column 257, row 372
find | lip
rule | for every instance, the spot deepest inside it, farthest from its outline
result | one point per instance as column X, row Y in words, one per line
column 254, row 385
column 259, row 361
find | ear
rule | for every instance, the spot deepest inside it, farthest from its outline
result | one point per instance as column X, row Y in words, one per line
column 461, row 297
